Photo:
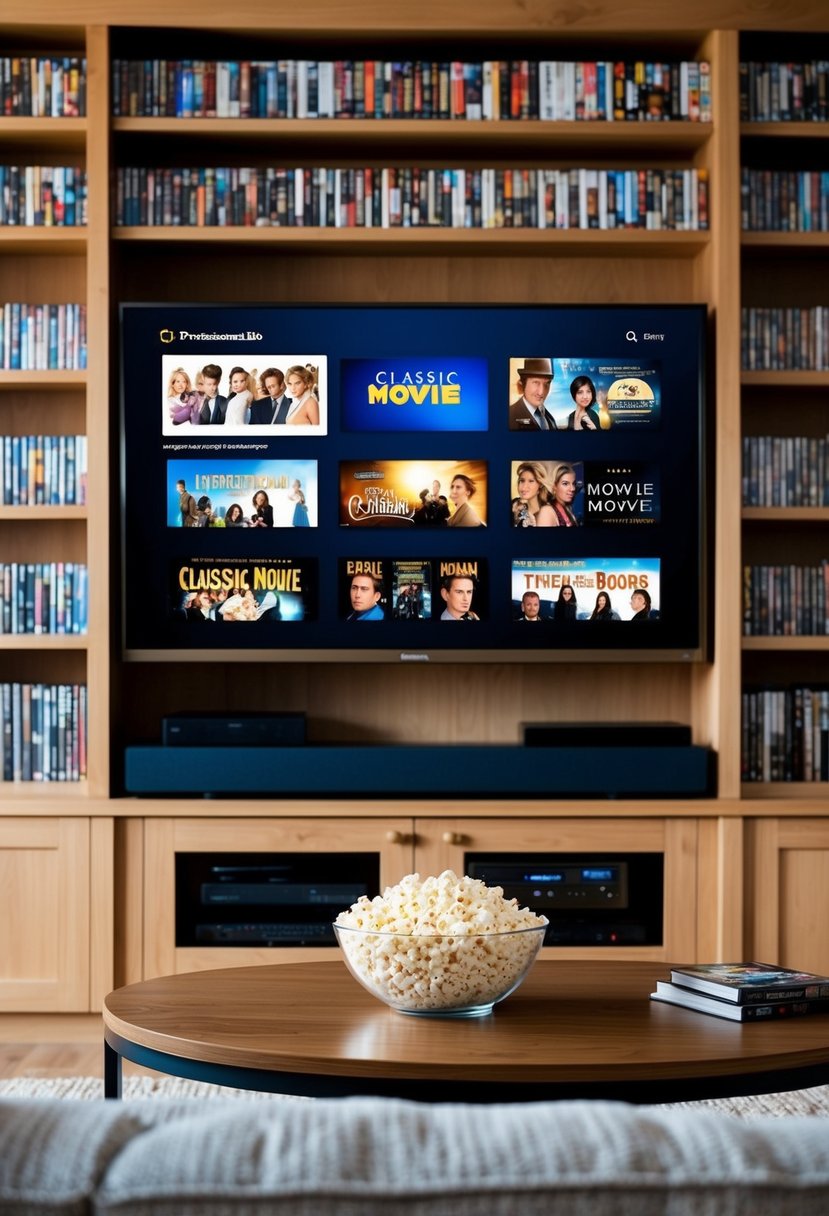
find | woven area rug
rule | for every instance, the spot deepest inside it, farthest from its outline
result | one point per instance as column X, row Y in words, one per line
column 133, row 1087
column 796, row 1102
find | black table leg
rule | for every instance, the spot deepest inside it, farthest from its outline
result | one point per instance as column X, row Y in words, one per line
column 112, row 1072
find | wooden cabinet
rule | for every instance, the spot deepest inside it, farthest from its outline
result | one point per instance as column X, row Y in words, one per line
column 443, row 844
column 788, row 880
column 390, row 839
column 55, row 908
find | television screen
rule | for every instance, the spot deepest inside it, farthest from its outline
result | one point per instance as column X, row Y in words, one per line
column 300, row 470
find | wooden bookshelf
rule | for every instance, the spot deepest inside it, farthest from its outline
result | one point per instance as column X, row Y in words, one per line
column 67, row 134
column 570, row 242
column 784, row 130
column 102, row 265
column 455, row 137
column 15, row 380
column 786, row 514
column 43, row 641
column 809, row 641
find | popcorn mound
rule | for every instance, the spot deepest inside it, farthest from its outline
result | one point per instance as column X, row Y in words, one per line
column 445, row 943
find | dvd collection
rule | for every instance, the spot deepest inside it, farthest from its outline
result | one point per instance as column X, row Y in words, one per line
column 478, row 90
column 745, row 992
column 785, row 339
column 34, row 86
column 42, row 337
column 42, row 196
column 784, row 92
column 784, row 200
column 786, row 601
column 47, row 470
column 675, row 199
column 785, row 734
column 43, row 597
column 785, row 471
column 44, row 732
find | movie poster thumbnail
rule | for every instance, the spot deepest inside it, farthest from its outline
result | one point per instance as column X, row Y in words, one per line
column 413, row 493
column 246, row 394
column 462, row 589
column 624, row 492
column 592, row 589
column 547, row 494
column 223, row 590
column 238, row 494
column 573, row 494
column 547, row 393
column 413, row 589
column 415, row 394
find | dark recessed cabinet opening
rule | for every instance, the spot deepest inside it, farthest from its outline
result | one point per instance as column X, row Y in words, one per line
column 590, row 899
column 268, row 899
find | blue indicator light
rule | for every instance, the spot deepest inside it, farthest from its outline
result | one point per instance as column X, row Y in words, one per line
column 544, row 877
column 597, row 875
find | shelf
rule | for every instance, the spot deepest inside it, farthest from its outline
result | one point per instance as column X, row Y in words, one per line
column 71, row 791
column 68, row 133
column 801, row 642
column 785, row 130
column 445, row 133
column 43, row 641
column 561, row 242
column 787, row 514
column 785, row 240
column 36, row 513
column 42, row 240
column 42, row 379
column 785, row 379
column 762, row 790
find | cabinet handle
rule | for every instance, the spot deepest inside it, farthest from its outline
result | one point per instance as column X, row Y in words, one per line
column 395, row 837
column 454, row 838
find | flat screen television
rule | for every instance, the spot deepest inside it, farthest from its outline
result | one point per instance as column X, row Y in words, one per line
column 292, row 471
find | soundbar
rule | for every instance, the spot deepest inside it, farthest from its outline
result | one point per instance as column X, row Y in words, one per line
column 468, row 771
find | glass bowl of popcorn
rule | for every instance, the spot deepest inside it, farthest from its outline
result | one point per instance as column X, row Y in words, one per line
column 440, row 947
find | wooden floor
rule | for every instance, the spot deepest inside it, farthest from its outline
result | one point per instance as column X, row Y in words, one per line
column 55, row 1045
column 58, row 1060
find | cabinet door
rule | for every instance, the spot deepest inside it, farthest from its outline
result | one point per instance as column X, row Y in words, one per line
column 44, row 912
column 389, row 839
column 788, row 898
column 442, row 844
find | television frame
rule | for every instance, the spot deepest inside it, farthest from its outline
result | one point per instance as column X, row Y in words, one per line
column 636, row 315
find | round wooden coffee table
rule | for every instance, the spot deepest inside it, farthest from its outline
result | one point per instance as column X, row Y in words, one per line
column 584, row 1029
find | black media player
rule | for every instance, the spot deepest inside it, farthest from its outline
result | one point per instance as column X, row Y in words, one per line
column 251, row 728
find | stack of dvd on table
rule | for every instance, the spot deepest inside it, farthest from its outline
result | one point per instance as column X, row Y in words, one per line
column 745, row 992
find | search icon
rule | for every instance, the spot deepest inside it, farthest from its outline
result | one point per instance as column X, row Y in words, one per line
column 631, row 336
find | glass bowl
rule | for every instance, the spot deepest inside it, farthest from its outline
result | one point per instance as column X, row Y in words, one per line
column 440, row 975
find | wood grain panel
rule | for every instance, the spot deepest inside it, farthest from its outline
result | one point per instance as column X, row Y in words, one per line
column 101, row 910
column 59, row 279
column 29, row 411
column 558, row 20
column 31, row 538
column 102, row 581
column 44, row 908
column 129, row 901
